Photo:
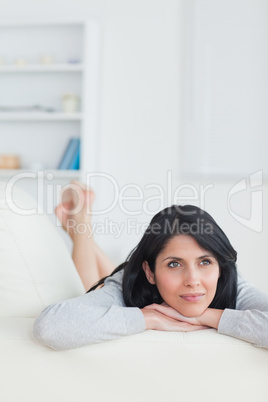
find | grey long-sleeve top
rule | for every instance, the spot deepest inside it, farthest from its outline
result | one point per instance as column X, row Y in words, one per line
column 102, row 315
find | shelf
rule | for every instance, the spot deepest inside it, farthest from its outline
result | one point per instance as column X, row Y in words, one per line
column 32, row 117
column 57, row 174
column 35, row 116
column 34, row 23
column 37, row 68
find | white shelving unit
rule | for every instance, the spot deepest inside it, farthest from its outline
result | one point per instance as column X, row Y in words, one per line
column 40, row 138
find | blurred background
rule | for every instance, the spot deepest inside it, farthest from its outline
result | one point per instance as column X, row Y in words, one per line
column 168, row 98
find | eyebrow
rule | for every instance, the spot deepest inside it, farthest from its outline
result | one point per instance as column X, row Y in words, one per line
column 181, row 259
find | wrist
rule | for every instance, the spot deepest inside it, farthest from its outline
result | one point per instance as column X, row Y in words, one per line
column 211, row 317
column 149, row 318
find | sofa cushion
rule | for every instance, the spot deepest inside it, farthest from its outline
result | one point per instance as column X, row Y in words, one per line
column 156, row 366
column 36, row 268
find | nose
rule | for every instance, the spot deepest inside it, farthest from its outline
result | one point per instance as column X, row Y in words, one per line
column 191, row 277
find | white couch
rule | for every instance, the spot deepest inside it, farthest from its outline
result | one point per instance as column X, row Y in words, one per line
column 36, row 270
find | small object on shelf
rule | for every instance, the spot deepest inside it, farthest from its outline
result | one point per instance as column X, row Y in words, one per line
column 69, row 103
column 23, row 109
column 73, row 61
column 20, row 62
column 2, row 61
column 46, row 60
column 9, row 162
column 71, row 156
column 75, row 161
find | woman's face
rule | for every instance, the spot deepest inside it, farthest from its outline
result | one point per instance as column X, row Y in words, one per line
column 186, row 275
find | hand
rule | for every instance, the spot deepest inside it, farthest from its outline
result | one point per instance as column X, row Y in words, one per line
column 210, row 318
column 159, row 321
column 165, row 309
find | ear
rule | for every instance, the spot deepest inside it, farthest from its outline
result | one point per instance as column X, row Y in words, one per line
column 149, row 274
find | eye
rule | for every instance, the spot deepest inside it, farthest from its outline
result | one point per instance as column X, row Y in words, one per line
column 205, row 262
column 174, row 264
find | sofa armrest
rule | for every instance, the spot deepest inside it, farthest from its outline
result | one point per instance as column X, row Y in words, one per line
column 36, row 268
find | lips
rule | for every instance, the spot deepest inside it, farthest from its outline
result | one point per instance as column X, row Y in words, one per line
column 192, row 297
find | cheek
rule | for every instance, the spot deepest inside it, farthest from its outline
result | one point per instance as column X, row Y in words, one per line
column 165, row 283
column 212, row 280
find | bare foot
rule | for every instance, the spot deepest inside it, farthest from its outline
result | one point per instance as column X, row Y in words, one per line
column 76, row 206
column 73, row 192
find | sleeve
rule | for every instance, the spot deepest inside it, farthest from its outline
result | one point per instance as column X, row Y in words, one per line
column 249, row 321
column 94, row 317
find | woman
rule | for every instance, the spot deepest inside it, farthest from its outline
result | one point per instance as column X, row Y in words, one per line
column 181, row 277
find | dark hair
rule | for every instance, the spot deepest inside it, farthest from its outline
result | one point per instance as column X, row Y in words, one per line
column 172, row 221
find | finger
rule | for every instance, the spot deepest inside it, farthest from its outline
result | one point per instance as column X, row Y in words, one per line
column 193, row 327
column 197, row 327
column 152, row 306
column 165, row 310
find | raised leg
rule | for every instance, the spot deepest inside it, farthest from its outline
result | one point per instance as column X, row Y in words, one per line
column 105, row 265
column 74, row 214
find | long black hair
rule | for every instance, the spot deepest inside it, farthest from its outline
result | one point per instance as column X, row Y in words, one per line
column 172, row 221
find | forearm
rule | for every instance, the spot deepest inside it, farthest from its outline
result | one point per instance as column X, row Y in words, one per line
column 61, row 327
column 93, row 317
column 248, row 325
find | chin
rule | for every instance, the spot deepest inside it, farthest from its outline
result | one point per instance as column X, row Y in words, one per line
column 192, row 311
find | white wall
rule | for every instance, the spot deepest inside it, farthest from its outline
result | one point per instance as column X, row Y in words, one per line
column 227, row 86
column 225, row 113
column 141, row 119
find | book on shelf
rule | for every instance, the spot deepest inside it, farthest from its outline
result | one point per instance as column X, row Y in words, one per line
column 71, row 156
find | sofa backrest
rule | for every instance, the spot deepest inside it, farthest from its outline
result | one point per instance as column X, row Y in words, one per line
column 36, row 268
